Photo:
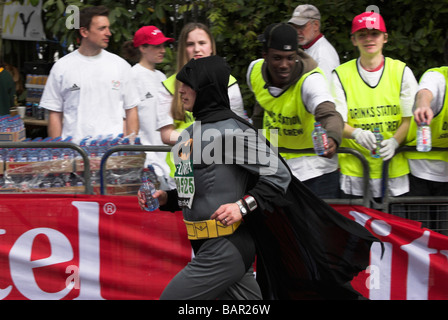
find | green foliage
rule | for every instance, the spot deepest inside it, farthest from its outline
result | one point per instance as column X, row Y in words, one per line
column 416, row 28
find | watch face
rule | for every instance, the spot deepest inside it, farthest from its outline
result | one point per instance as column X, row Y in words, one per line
column 250, row 201
column 242, row 208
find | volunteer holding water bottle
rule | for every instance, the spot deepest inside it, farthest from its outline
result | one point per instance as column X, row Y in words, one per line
column 373, row 91
column 429, row 170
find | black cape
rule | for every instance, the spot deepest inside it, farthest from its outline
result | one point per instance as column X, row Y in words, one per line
column 305, row 248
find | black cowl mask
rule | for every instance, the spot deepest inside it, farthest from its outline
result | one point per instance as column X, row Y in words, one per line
column 209, row 77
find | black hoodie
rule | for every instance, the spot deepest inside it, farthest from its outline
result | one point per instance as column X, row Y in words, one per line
column 209, row 77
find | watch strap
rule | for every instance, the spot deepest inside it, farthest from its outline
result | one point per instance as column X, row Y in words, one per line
column 243, row 209
column 251, row 203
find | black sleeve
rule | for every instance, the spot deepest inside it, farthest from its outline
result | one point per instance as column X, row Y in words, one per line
column 172, row 204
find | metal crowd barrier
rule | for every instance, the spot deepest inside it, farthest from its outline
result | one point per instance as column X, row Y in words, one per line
column 404, row 203
column 129, row 148
column 56, row 145
column 388, row 199
column 431, row 211
column 366, row 199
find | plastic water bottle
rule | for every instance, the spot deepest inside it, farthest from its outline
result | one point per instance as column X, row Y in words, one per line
column 424, row 143
column 56, row 153
column 124, row 142
column 3, row 123
column 84, row 144
column 93, row 148
column 375, row 153
column 104, row 145
column 137, row 142
column 68, row 153
column 320, row 139
column 151, row 174
column 147, row 191
column 33, row 155
column 115, row 142
column 45, row 153
column 21, row 155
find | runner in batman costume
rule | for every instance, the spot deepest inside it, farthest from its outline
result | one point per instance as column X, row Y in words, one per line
column 305, row 249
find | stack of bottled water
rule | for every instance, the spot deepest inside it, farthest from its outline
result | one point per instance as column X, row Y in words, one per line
column 11, row 123
column 95, row 147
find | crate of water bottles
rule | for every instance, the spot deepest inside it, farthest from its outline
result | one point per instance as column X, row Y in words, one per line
column 123, row 169
column 61, row 170
column 40, row 169
column 12, row 129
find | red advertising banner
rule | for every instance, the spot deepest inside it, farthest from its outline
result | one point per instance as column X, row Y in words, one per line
column 87, row 247
column 104, row 247
column 414, row 264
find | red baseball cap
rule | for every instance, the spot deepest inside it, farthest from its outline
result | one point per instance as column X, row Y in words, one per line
column 150, row 35
column 368, row 20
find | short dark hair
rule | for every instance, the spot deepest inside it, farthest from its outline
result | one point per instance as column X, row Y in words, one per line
column 87, row 14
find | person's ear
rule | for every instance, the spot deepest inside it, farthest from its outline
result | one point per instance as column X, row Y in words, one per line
column 83, row 31
column 352, row 37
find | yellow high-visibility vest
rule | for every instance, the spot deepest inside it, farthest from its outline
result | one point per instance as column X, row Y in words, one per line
column 286, row 114
column 371, row 107
column 439, row 129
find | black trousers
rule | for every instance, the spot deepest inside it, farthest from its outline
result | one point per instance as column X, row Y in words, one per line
column 220, row 269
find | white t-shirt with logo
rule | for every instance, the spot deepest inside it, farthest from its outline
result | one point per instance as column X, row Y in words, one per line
column 148, row 84
column 92, row 92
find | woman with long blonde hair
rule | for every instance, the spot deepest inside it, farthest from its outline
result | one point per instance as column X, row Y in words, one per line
column 195, row 42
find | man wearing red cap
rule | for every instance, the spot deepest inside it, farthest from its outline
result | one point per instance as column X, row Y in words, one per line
column 147, row 49
column 372, row 92
column 87, row 91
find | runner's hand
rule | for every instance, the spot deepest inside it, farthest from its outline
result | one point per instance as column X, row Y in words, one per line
column 227, row 214
column 161, row 195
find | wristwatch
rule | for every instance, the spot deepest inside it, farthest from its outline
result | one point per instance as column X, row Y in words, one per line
column 243, row 209
column 251, row 203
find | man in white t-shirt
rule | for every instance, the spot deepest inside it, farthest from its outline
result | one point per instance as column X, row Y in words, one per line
column 306, row 20
column 87, row 91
